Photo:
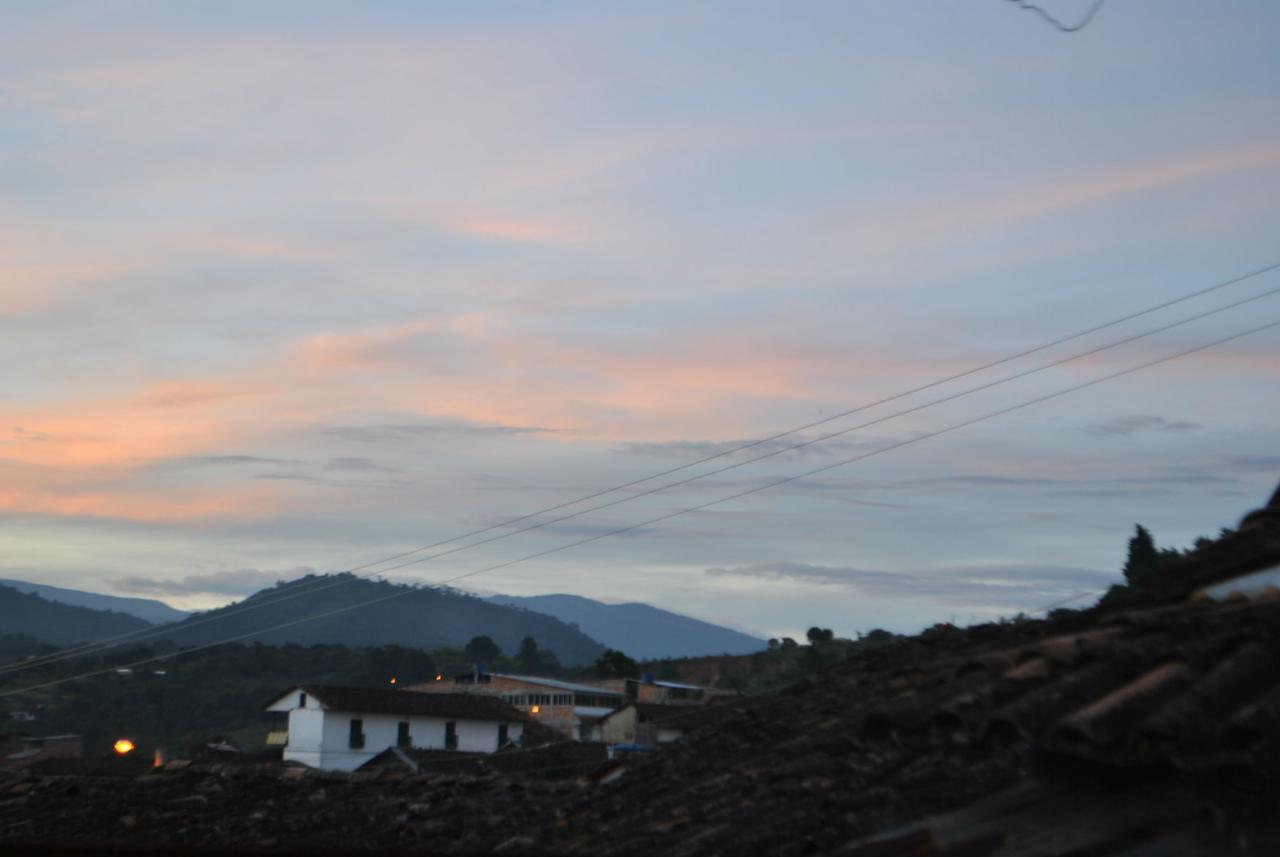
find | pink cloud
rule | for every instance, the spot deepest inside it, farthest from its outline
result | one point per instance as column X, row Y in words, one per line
column 518, row 230
column 135, row 506
column 898, row 229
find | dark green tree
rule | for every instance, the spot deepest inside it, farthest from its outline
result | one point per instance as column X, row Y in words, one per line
column 1143, row 563
column 615, row 664
column 529, row 659
column 482, row 650
column 817, row 636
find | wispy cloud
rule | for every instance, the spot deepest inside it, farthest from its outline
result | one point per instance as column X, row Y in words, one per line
column 171, row 506
column 222, row 461
column 400, row 433
column 1126, row 426
column 1141, row 480
column 1269, row 464
column 1013, row 586
column 360, row 465
column 920, row 222
column 985, row 480
column 313, row 479
column 243, row 581
column 518, row 230
column 783, row 447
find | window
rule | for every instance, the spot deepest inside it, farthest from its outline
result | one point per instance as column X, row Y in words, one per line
column 356, row 739
column 402, row 735
column 302, row 699
column 451, row 735
column 502, row 735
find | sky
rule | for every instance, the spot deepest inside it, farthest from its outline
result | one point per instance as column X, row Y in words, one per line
column 295, row 287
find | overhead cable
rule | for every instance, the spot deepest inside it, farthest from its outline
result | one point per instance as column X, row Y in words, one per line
column 670, row 515
column 303, row 590
column 321, row 584
column 1084, row 22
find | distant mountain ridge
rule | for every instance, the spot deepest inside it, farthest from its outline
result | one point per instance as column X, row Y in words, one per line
column 417, row 617
column 640, row 630
column 155, row 612
column 577, row 629
column 61, row 624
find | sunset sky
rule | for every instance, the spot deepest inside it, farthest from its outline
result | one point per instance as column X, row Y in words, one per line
column 297, row 286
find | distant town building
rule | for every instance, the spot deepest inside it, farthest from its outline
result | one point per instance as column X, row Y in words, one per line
column 571, row 708
column 661, row 692
column 650, row 725
column 638, row 723
column 341, row 728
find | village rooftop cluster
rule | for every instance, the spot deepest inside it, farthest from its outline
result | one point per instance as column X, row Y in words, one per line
column 344, row 728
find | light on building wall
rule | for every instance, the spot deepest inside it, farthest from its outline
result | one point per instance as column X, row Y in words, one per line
column 123, row 747
column 535, row 709
column 439, row 677
column 393, row 679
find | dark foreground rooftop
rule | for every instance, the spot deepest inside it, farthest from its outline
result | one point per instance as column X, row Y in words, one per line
column 1153, row 727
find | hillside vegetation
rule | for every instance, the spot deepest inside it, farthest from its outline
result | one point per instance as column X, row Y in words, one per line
column 640, row 630
column 413, row 617
column 51, row 622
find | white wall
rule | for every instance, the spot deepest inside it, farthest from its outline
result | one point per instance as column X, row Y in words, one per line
column 321, row 739
column 306, row 729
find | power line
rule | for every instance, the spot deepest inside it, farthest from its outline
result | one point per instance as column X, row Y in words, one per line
column 321, row 584
column 679, row 512
column 266, row 601
column 822, row 438
column 1084, row 22
column 882, row 450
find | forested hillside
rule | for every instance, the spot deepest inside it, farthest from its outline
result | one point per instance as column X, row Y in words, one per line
column 51, row 622
column 415, row 617
column 149, row 609
column 640, row 630
column 181, row 702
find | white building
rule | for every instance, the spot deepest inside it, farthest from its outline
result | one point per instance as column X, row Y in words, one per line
column 341, row 728
column 568, row 707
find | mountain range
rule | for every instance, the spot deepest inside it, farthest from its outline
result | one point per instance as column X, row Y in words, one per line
column 417, row 617
column 155, row 612
column 60, row 624
column 577, row 629
column 640, row 630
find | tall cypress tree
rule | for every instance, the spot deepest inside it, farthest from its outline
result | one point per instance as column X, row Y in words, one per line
column 1143, row 564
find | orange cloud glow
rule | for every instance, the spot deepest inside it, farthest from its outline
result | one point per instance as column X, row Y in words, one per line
column 519, row 230
column 134, row 506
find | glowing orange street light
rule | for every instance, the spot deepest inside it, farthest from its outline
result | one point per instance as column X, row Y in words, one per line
column 393, row 679
column 439, row 677
column 535, row 709
column 123, row 747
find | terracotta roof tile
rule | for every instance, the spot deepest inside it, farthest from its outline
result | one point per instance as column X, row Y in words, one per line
column 377, row 700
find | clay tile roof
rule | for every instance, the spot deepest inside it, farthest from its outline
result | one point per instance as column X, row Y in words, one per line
column 654, row 711
column 371, row 700
column 1197, row 686
column 698, row 716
